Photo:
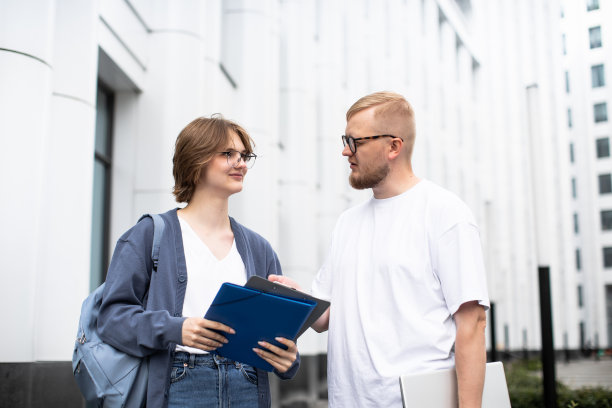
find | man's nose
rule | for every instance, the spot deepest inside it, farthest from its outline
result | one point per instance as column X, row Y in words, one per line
column 347, row 151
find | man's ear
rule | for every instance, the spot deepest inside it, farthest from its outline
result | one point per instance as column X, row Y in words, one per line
column 395, row 148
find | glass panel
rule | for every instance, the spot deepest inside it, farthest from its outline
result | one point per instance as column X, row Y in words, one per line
column 597, row 76
column 592, row 5
column 603, row 147
column 103, row 124
column 595, row 37
column 600, row 112
column 576, row 226
column 606, row 220
column 578, row 260
column 605, row 183
column 101, row 188
column 579, row 295
column 607, row 255
column 98, row 225
column 609, row 313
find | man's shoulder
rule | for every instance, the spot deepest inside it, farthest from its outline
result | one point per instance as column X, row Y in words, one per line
column 441, row 198
column 444, row 208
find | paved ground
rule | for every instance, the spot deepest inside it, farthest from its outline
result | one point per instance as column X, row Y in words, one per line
column 586, row 373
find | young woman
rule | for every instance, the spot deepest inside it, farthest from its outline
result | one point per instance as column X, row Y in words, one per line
column 158, row 314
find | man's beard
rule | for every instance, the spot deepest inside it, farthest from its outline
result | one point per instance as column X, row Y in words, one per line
column 369, row 178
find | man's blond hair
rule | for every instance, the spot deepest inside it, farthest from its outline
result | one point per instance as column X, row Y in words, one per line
column 389, row 104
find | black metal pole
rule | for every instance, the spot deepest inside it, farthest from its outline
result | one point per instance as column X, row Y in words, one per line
column 493, row 340
column 548, row 351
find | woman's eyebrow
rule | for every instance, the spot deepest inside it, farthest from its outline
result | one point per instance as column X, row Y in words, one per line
column 232, row 149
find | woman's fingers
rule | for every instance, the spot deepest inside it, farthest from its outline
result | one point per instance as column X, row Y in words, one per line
column 279, row 358
column 200, row 333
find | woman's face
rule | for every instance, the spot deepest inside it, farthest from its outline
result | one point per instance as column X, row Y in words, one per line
column 226, row 175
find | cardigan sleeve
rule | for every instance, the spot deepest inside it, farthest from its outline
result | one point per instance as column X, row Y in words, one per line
column 123, row 321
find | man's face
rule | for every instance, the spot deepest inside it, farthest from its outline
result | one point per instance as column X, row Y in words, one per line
column 369, row 165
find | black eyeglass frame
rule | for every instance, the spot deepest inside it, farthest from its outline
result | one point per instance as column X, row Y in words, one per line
column 350, row 140
column 247, row 158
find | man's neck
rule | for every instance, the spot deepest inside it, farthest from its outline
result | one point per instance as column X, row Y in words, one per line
column 395, row 183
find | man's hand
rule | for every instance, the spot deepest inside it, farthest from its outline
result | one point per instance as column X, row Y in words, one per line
column 322, row 323
column 198, row 333
column 280, row 359
column 470, row 353
column 283, row 280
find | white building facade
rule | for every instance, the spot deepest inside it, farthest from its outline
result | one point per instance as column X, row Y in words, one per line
column 94, row 93
column 587, row 60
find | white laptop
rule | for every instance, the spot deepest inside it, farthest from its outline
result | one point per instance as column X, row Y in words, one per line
column 438, row 389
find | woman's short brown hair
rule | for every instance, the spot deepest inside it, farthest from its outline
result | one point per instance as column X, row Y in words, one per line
column 196, row 145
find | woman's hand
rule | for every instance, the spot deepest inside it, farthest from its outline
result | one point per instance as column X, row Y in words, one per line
column 198, row 333
column 280, row 359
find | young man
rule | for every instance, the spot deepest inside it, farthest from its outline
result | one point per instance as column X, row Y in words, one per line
column 404, row 273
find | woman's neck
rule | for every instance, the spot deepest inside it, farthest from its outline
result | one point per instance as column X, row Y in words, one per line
column 207, row 211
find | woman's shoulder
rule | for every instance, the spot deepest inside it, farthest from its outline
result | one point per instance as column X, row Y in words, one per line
column 251, row 237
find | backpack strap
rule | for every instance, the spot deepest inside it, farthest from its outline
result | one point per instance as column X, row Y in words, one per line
column 158, row 231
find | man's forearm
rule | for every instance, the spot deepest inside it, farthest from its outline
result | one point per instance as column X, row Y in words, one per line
column 322, row 323
column 470, row 354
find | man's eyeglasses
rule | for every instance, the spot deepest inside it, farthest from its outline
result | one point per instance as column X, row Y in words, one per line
column 234, row 157
column 350, row 140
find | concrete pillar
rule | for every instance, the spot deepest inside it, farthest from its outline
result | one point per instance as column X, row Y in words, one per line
column 65, row 225
column 26, row 60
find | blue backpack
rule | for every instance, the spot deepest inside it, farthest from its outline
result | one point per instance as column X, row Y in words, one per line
column 105, row 375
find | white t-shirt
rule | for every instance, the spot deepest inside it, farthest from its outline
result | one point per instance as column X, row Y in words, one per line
column 205, row 274
column 397, row 270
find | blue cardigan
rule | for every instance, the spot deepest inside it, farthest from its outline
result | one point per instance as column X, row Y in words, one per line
column 154, row 333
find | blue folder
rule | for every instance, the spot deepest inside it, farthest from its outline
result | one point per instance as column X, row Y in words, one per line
column 255, row 316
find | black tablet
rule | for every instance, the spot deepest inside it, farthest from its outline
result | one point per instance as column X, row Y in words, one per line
column 264, row 285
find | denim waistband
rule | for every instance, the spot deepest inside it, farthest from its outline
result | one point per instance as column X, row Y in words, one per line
column 202, row 359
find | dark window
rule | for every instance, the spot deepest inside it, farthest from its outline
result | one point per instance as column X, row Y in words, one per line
column 607, row 257
column 101, row 187
column 592, row 5
column 603, row 147
column 580, row 296
column 563, row 44
column 578, row 260
column 569, row 118
column 567, row 82
column 576, row 225
column 605, row 183
column 595, row 37
column 600, row 112
column 597, row 76
column 571, row 151
column 574, row 192
column 609, row 313
column 606, row 220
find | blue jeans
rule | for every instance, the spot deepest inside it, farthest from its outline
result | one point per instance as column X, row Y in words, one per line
column 208, row 380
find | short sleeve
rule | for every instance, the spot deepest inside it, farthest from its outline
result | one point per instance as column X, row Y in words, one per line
column 459, row 265
column 322, row 284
